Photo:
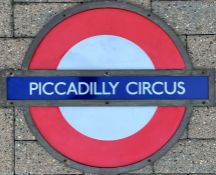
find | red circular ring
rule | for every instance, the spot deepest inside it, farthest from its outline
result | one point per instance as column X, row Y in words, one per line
column 160, row 48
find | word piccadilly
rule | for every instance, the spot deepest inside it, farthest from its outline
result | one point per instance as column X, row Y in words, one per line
column 122, row 87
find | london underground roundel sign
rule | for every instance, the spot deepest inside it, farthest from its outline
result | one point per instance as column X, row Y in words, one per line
column 108, row 87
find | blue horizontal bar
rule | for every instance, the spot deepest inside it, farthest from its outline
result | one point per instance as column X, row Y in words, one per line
column 108, row 88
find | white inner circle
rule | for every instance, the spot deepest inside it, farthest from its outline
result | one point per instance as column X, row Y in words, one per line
column 106, row 52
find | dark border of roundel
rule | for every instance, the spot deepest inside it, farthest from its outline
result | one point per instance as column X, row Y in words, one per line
column 107, row 4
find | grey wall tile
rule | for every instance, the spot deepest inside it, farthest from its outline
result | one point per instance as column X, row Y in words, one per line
column 6, row 141
column 202, row 50
column 188, row 17
column 203, row 123
column 12, row 52
column 189, row 156
column 33, row 159
column 144, row 3
column 30, row 18
column 5, row 18
column 22, row 131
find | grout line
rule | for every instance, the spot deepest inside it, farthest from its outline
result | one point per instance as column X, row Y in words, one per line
column 21, row 37
column 68, row 174
column 14, row 155
column 14, row 117
column 153, row 167
column 24, row 140
column 187, row 131
column 77, row 1
column 186, row 42
column 144, row 174
column 15, row 38
column 46, row 2
column 198, row 139
column 187, row 127
column 202, row 34
column 165, row 174
column 82, row 173
column 151, row 6
column 12, row 17
column 174, row 0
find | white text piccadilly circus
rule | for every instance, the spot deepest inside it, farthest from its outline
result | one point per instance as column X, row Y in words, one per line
column 106, row 88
